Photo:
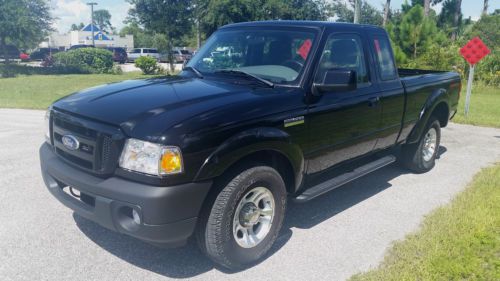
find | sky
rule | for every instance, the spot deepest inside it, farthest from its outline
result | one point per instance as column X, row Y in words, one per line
column 68, row 12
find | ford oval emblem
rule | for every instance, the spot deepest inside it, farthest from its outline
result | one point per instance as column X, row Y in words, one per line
column 70, row 142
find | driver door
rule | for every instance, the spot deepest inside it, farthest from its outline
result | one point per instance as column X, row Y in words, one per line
column 343, row 123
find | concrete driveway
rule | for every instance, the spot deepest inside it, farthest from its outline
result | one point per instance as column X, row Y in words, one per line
column 330, row 238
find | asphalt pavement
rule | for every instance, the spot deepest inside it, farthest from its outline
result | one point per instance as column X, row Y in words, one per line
column 330, row 238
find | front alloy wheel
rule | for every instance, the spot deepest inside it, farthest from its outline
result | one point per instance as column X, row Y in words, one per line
column 245, row 218
column 253, row 217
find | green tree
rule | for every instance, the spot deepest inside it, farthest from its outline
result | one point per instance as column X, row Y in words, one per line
column 416, row 32
column 23, row 22
column 213, row 14
column 173, row 18
column 77, row 27
column 103, row 20
column 142, row 39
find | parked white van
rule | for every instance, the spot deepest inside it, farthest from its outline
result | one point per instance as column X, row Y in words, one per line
column 143, row 52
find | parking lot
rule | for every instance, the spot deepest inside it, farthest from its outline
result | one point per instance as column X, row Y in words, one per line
column 330, row 238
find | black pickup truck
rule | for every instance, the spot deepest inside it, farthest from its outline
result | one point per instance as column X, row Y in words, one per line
column 264, row 113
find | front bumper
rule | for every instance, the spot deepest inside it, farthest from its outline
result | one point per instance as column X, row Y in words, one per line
column 168, row 215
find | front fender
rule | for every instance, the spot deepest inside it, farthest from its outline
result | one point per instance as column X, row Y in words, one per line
column 248, row 142
column 437, row 97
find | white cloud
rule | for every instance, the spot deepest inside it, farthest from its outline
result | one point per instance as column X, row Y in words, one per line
column 68, row 12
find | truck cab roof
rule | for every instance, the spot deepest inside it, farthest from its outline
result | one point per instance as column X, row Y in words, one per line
column 305, row 23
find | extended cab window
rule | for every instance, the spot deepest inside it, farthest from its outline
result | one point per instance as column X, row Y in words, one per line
column 384, row 58
column 343, row 51
column 278, row 56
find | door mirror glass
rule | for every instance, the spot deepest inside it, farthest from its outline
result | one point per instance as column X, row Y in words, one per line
column 337, row 80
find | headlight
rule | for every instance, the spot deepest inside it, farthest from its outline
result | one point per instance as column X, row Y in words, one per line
column 151, row 158
column 47, row 126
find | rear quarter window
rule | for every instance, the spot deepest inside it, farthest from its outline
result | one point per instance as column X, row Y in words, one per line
column 385, row 61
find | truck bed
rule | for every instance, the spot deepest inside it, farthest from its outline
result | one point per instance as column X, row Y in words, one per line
column 405, row 72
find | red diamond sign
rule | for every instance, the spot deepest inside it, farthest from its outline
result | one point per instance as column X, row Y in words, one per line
column 474, row 50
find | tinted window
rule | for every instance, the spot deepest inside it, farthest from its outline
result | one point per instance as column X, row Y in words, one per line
column 185, row 52
column 384, row 58
column 343, row 51
column 136, row 51
column 153, row 51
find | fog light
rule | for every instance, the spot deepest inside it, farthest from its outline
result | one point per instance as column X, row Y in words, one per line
column 136, row 217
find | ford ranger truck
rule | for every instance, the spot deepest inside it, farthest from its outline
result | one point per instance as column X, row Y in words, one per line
column 264, row 113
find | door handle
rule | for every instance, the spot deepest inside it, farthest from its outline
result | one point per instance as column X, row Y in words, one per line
column 373, row 101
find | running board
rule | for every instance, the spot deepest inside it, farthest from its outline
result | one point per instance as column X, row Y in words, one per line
column 338, row 181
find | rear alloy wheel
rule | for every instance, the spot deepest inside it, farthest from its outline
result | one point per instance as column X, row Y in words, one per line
column 421, row 156
column 245, row 218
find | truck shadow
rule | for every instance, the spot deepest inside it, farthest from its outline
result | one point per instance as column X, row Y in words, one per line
column 189, row 261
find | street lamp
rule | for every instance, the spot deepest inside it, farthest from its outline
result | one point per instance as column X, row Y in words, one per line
column 92, row 4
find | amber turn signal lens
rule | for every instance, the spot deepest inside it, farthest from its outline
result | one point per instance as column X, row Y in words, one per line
column 171, row 161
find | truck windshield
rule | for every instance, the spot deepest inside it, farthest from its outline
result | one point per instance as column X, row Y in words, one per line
column 278, row 56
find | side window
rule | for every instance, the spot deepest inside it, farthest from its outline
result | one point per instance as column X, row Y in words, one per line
column 384, row 58
column 344, row 51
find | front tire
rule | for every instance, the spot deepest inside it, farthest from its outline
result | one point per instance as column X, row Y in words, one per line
column 421, row 156
column 245, row 219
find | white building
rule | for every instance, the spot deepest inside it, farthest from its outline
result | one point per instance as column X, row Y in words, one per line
column 84, row 37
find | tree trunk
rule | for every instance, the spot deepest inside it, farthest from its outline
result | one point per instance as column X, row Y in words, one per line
column 170, row 55
column 386, row 11
column 485, row 8
column 456, row 18
column 3, row 43
column 427, row 6
column 415, row 49
column 198, row 34
column 357, row 11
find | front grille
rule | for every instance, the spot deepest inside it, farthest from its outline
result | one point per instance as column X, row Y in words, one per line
column 99, row 144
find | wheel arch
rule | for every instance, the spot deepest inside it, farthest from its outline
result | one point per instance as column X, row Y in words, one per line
column 437, row 106
column 266, row 145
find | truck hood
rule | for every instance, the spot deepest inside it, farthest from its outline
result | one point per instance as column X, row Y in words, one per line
column 137, row 106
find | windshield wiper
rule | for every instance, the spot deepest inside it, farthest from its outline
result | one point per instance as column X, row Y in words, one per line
column 246, row 74
column 194, row 70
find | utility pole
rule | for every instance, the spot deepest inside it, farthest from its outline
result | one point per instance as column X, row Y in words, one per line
column 92, row 4
column 357, row 11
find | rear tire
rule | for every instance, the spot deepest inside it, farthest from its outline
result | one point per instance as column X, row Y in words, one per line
column 420, row 157
column 245, row 218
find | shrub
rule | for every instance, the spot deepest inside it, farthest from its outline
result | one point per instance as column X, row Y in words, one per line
column 93, row 60
column 13, row 70
column 148, row 65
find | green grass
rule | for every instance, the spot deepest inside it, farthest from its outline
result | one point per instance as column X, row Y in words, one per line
column 484, row 107
column 39, row 91
column 460, row 241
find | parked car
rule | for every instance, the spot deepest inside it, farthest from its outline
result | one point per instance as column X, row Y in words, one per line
column 301, row 109
column 74, row 47
column 179, row 56
column 12, row 52
column 119, row 54
column 42, row 53
column 143, row 52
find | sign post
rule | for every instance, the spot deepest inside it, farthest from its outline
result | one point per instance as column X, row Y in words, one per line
column 469, row 89
column 472, row 52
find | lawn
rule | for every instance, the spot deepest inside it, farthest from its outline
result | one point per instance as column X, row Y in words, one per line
column 39, row 91
column 460, row 241
column 484, row 108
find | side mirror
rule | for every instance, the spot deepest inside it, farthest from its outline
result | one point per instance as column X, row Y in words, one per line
column 337, row 80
